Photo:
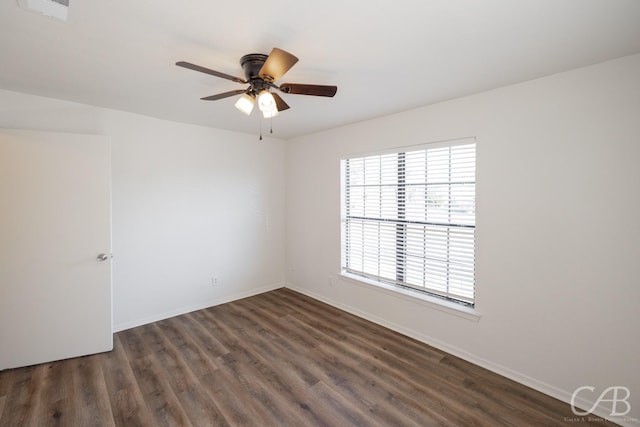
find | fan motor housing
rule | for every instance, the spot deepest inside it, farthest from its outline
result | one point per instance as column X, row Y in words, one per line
column 251, row 65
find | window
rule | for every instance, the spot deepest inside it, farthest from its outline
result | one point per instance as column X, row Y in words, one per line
column 408, row 218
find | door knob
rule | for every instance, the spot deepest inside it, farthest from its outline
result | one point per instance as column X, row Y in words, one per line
column 102, row 257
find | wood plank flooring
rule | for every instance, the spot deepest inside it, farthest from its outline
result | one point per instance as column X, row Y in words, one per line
column 276, row 359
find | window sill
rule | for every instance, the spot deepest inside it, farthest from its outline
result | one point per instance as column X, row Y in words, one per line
column 414, row 296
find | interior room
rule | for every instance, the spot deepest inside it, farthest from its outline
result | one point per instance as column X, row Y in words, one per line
column 137, row 214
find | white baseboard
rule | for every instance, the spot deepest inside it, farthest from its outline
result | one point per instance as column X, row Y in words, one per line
column 188, row 309
column 548, row 389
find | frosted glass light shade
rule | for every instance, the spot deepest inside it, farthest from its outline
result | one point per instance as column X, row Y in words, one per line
column 245, row 103
column 269, row 114
column 267, row 104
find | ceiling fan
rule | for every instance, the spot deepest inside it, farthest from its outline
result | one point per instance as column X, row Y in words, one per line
column 261, row 72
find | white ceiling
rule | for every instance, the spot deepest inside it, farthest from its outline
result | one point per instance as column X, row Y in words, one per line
column 384, row 56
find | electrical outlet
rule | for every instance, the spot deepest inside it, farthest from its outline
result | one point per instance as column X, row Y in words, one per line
column 214, row 281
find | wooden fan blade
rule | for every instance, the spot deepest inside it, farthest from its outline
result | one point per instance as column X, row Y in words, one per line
column 223, row 95
column 302, row 89
column 278, row 63
column 209, row 71
column 280, row 104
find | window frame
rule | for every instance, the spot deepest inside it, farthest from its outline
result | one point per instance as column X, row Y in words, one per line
column 468, row 309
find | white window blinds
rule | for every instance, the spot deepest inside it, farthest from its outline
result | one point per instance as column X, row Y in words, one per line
column 409, row 219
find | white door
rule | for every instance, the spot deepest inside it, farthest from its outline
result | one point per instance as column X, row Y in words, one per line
column 55, row 220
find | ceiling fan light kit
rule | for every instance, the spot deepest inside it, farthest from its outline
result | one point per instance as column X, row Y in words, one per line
column 261, row 72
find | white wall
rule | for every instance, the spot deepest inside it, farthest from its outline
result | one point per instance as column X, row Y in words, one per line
column 558, row 239
column 189, row 203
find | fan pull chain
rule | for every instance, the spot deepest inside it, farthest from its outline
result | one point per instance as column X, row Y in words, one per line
column 271, row 125
column 260, row 128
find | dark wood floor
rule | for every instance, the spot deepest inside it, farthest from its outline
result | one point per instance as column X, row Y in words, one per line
column 276, row 359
